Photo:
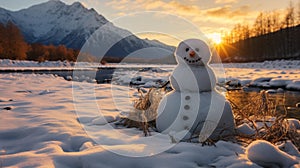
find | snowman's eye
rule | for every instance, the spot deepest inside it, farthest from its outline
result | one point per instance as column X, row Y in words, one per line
column 187, row 49
column 197, row 49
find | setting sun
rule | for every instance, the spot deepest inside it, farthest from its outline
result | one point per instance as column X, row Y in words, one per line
column 215, row 38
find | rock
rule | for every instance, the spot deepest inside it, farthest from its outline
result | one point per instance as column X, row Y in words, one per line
column 44, row 92
column 137, row 81
column 69, row 78
column 234, row 83
column 7, row 108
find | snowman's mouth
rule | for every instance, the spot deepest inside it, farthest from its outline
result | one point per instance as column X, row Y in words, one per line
column 192, row 61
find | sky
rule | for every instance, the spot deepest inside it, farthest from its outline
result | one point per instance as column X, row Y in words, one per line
column 171, row 21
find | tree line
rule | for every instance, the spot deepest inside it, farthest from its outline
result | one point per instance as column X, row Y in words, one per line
column 273, row 35
column 13, row 46
column 265, row 23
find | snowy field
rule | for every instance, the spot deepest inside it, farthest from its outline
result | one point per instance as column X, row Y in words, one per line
column 46, row 123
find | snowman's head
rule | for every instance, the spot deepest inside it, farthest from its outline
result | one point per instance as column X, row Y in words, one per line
column 193, row 52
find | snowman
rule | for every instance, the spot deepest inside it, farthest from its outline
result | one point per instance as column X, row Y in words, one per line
column 194, row 107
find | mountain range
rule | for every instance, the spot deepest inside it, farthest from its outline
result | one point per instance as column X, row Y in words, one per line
column 77, row 27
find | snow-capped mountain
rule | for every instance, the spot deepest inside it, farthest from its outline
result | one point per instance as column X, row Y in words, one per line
column 55, row 22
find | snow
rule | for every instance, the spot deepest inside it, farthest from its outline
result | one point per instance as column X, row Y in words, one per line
column 294, row 123
column 235, row 75
column 269, row 74
column 294, row 85
column 289, row 148
column 18, row 63
column 265, row 154
column 54, row 18
column 245, row 129
column 74, row 26
column 43, row 129
column 244, row 74
column 194, row 104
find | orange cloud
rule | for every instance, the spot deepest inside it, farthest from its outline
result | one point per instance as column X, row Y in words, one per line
column 211, row 19
column 227, row 11
column 225, row 1
column 180, row 8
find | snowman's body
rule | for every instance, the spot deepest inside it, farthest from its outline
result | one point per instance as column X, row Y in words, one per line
column 186, row 109
column 203, row 81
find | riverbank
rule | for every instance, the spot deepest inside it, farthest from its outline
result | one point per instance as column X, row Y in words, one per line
column 46, row 120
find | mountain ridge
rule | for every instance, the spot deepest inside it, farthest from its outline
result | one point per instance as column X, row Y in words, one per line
column 54, row 22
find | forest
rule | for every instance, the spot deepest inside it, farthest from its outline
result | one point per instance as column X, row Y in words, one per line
column 13, row 46
column 273, row 35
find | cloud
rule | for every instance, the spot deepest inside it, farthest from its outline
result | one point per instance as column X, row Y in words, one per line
column 228, row 11
column 129, row 5
column 179, row 8
column 86, row 3
column 223, row 17
column 124, row 5
column 226, row 1
column 114, row 5
column 155, row 5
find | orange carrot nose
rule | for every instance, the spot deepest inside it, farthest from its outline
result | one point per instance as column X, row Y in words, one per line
column 192, row 54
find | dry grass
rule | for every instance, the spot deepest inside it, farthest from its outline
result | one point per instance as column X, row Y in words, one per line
column 275, row 126
column 259, row 109
column 145, row 110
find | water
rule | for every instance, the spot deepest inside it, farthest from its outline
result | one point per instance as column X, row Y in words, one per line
column 91, row 74
column 284, row 101
column 98, row 75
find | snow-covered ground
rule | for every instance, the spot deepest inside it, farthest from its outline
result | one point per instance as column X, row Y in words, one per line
column 17, row 63
column 269, row 74
column 47, row 121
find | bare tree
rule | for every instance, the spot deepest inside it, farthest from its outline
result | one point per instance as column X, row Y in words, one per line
column 298, row 14
column 275, row 21
column 258, row 26
column 268, row 23
column 246, row 31
column 289, row 20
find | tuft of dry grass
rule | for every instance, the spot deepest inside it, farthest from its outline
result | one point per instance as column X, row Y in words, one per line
column 261, row 109
column 145, row 110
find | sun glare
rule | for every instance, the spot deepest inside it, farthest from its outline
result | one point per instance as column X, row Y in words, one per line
column 215, row 37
